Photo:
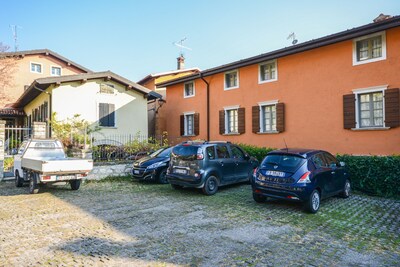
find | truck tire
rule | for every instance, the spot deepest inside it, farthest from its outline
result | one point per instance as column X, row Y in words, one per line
column 19, row 182
column 75, row 184
column 33, row 184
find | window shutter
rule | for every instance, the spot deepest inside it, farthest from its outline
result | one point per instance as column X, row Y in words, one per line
column 182, row 125
column 349, row 111
column 241, row 121
column 196, row 124
column 392, row 108
column 111, row 115
column 255, row 110
column 222, row 122
column 280, row 117
column 103, row 110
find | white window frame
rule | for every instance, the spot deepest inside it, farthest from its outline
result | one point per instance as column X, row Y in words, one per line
column 263, row 104
column 360, row 91
column 184, row 90
column 51, row 70
column 185, row 123
column 227, row 109
column 260, row 81
column 237, row 82
column 383, row 57
column 36, row 63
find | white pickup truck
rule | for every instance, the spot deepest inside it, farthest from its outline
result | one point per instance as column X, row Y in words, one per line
column 42, row 161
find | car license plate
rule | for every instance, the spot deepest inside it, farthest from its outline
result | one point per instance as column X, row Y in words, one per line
column 65, row 177
column 180, row 171
column 136, row 171
column 275, row 173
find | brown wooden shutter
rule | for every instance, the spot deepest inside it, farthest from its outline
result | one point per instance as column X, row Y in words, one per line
column 255, row 111
column 241, row 121
column 182, row 125
column 221, row 121
column 392, row 108
column 196, row 124
column 349, row 111
column 280, row 117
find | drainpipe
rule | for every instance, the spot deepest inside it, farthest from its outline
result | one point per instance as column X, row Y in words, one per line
column 208, row 106
column 50, row 106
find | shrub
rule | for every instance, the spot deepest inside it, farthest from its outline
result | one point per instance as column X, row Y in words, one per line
column 258, row 152
column 374, row 174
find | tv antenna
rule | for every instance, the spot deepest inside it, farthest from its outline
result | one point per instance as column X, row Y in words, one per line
column 293, row 37
column 181, row 46
column 14, row 29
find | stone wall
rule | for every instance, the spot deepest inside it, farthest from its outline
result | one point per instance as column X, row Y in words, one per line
column 103, row 171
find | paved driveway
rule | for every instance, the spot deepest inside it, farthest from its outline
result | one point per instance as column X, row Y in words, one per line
column 124, row 223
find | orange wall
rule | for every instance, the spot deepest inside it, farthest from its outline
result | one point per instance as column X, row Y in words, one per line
column 311, row 85
column 23, row 75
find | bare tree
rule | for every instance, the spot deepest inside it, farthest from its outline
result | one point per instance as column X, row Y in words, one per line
column 8, row 67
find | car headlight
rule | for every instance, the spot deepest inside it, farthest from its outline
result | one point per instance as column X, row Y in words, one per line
column 156, row 165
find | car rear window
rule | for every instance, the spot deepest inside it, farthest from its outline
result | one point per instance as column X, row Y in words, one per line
column 185, row 152
column 289, row 163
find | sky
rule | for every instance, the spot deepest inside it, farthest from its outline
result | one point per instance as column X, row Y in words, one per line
column 135, row 38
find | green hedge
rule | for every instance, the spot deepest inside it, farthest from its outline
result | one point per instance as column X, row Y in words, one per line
column 371, row 174
column 255, row 151
column 374, row 175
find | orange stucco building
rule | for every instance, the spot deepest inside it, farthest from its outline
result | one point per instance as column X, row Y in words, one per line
column 338, row 93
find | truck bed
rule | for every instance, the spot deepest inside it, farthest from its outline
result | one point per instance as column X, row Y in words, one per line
column 57, row 165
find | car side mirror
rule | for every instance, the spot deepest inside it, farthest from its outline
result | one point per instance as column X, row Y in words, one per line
column 246, row 156
column 14, row 151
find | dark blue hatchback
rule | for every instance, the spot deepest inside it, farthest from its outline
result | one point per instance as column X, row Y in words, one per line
column 304, row 175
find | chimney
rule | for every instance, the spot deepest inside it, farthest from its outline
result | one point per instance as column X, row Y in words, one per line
column 382, row 17
column 181, row 62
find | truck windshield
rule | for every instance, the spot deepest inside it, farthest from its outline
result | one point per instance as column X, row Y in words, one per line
column 44, row 150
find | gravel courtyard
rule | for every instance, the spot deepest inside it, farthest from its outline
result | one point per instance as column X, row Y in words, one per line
column 125, row 223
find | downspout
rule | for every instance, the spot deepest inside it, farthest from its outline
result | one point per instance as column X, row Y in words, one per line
column 50, row 106
column 208, row 106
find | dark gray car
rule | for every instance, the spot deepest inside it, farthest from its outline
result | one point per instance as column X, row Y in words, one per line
column 208, row 165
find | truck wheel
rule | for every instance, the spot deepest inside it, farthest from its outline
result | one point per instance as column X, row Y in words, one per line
column 75, row 184
column 19, row 182
column 33, row 184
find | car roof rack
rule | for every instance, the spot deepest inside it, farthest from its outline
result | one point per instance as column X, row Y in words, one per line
column 206, row 142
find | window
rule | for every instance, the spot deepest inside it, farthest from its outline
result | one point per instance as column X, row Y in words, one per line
column 369, row 48
column 55, row 71
column 106, row 115
column 36, row 67
column 268, row 72
column 237, row 153
column 268, row 118
column 371, row 109
column 210, row 152
column 189, row 124
column 222, row 152
column 232, row 121
column 231, row 80
column 188, row 90
column 107, row 88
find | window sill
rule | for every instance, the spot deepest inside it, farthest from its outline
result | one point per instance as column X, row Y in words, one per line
column 267, row 81
column 108, row 127
column 269, row 132
column 188, row 135
column 371, row 129
column 366, row 61
column 188, row 96
column 230, row 88
column 229, row 134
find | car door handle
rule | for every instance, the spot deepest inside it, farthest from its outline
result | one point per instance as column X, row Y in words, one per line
column 222, row 163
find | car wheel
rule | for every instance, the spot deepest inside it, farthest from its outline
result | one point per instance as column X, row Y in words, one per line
column 33, row 185
column 176, row 186
column 75, row 184
column 313, row 203
column 259, row 198
column 162, row 176
column 19, row 182
column 210, row 186
column 346, row 190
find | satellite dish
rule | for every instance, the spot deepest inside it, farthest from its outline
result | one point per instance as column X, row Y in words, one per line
column 294, row 41
column 293, row 37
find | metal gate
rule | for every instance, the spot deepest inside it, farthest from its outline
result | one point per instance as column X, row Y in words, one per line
column 14, row 136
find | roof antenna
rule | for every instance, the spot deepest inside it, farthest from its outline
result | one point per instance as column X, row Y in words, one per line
column 181, row 46
column 14, row 29
column 287, row 149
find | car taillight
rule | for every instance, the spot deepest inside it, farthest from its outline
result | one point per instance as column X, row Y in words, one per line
column 199, row 154
column 305, row 178
column 47, row 177
column 255, row 172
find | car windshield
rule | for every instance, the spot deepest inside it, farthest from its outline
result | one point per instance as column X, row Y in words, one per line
column 185, row 152
column 163, row 153
column 289, row 163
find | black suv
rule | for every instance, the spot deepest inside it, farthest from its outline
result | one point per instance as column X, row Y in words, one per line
column 208, row 165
